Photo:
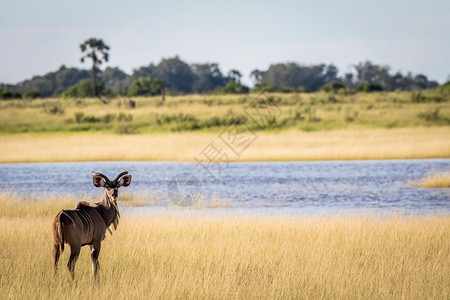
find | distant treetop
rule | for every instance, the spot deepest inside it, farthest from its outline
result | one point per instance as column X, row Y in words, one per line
column 96, row 50
column 178, row 76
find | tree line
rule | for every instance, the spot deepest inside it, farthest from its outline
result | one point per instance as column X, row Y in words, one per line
column 176, row 76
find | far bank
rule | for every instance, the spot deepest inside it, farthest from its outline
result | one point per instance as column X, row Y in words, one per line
column 292, row 145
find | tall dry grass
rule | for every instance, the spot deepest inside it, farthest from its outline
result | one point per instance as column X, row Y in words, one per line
column 208, row 256
column 404, row 143
column 441, row 180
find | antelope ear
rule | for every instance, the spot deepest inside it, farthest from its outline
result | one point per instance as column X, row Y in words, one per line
column 98, row 181
column 125, row 180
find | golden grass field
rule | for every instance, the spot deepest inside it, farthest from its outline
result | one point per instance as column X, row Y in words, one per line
column 399, row 143
column 223, row 257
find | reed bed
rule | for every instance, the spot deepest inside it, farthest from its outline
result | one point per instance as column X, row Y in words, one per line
column 441, row 180
column 223, row 257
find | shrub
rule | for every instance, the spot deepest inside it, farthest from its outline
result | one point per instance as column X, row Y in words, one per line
column 79, row 116
column 233, row 87
column 146, row 86
column 443, row 89
column 351, row 115
column 368, row 87
column 267, row 87
column 430, row 115
column 122, row 128
column 212, row 122
column 124, row 117
column 175, row 118
column 327, row 99
column 90, row 119
column 428, row 97
column 31, row 95
column 311, row 115
column 83, row 89
column 417, row 98
column 5, row 94
column 334, row 86
column 54, row 110
column 349, row 119
column 264, row 101
column 108, row 118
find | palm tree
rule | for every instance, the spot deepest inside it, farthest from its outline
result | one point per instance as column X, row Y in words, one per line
column 235, row 75
column 94, row 48
column 257, row 76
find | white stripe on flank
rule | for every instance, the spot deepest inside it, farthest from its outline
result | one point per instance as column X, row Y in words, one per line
column 80, row 212
column 69, row 217
column 87, row 217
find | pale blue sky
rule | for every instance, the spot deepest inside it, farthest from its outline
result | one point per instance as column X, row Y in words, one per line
column 38, row 36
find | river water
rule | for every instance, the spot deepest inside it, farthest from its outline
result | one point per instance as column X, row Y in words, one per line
column 267, row 187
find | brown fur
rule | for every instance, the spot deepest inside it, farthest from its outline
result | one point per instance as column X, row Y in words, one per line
column 85, row 225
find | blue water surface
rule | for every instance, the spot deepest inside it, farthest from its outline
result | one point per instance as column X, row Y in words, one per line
column 259, row 187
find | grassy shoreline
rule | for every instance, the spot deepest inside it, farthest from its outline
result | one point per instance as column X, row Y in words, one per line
column 288, row 127
column 222, row 257
column 368, row 144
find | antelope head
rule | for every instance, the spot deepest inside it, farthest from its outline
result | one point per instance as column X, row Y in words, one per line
column 111, row 186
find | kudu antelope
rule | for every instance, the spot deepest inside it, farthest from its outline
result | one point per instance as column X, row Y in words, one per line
column 86, row 224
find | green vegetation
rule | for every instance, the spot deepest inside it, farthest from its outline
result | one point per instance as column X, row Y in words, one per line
column 307, row 112
column 265, row 87
column 293, row 75
column 335, row 87
column 146, row 86
column 6, row 94
column 31, row 95
column 83, row 89
column 108, row 118
column 368, row 87
column 443, row 89
column 51, row 84
column 179, row 77
column 233, row 87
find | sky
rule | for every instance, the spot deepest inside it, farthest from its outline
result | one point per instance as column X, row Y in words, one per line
column 39, row 36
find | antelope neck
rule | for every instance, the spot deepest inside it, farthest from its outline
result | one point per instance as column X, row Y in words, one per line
column 108, row 210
